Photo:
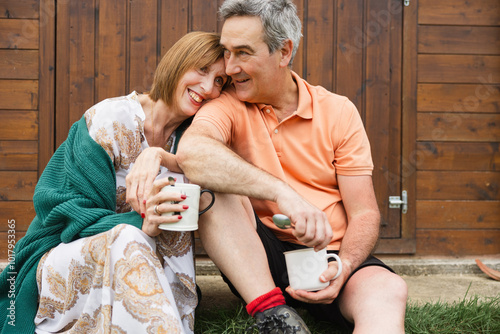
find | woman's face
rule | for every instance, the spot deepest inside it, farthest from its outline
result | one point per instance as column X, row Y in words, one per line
column 200, row 85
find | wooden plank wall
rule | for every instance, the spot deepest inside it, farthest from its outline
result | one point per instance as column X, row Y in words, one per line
column 458, row 127
column 19, row 114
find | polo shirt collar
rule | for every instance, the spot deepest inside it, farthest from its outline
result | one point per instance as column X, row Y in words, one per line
column 304, row 108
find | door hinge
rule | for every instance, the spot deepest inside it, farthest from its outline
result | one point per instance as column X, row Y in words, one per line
column 396, row 201
column 406, row 2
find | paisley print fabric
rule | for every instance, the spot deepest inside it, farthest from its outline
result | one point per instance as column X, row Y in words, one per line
column 122, row 280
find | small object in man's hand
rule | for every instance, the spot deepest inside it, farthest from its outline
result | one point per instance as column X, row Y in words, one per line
column 282, row 221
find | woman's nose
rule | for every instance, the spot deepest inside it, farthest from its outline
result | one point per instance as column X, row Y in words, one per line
column 207, row 86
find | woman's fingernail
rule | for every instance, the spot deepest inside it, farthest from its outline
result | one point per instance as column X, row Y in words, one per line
column 144, row 202
column 143, row 215
column 185, row 207
column 183, row 196
column 179, row 217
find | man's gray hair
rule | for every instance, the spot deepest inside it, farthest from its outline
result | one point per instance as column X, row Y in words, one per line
column 279, row 20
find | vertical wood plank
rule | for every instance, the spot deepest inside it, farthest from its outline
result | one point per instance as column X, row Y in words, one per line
column 409, row 119
column 82, row 59
column 203, row 15
column 62, row 98
column 111, row 51
column 395, row 9
column 378, row 114
column 46, row 93
column 320, row 43
column 80, row 65
column 143, row 44
column 173, row 23
column 298, row 62
column 350, row 49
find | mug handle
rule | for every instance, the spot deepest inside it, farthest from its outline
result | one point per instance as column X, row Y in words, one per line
column 339, row 262
column 209, row 205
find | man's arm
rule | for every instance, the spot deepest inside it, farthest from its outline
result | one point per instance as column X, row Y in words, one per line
column 363, row 219
column 361, row 236
column 207, row 161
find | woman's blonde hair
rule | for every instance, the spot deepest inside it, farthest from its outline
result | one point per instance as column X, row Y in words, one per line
column 193, row 51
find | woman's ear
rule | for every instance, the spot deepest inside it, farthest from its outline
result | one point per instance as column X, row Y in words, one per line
column 286, row 53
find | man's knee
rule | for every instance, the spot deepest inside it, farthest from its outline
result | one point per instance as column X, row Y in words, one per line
column 376, row 280
column 226, row 209
column 398, row 288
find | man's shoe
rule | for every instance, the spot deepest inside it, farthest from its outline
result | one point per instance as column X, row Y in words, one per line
column 279, row 320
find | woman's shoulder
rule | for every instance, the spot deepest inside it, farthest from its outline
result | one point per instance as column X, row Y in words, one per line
column 117, row 110
column 117, row 124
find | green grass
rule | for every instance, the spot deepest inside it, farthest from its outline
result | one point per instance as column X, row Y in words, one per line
column 474, row 315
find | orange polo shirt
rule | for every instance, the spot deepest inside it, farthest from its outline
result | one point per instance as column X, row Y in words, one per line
column 322, row 138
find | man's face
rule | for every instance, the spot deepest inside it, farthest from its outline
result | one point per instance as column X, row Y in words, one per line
column 248, row 61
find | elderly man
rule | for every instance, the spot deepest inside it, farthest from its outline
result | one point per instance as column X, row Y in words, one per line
column 272, row 144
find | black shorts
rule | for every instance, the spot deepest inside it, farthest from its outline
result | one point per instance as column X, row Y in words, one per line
column 276, row 259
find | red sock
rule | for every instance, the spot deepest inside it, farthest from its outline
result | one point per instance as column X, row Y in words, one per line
column 266, row 301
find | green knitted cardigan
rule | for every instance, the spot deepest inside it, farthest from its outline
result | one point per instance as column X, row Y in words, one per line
column 74, row 198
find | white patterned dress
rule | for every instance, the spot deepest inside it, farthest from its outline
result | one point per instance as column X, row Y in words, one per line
column 120, row 281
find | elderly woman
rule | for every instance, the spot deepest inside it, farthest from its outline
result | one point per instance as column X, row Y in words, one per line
column 93, row 258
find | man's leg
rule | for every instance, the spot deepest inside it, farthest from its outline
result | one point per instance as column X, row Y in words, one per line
column 374, row 299
column 227, row 232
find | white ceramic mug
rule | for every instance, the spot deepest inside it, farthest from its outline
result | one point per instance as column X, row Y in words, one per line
column 305, row 266
column 189, row 221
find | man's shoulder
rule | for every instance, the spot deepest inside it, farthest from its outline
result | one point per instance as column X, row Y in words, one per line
column 227, row 102
column 322, row 92
column 318, row 91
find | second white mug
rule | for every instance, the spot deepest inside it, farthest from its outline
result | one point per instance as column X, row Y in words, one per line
column 305, row 266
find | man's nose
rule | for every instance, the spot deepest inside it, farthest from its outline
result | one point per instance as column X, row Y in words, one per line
column 231, row 65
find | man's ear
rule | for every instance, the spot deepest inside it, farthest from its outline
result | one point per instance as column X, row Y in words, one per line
column 286, row 53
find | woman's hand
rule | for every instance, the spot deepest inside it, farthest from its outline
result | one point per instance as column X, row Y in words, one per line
column 161, row 202
column 139, row 181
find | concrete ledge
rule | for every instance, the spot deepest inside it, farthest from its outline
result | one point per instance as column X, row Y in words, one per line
column 408, row 267
column 418, row 267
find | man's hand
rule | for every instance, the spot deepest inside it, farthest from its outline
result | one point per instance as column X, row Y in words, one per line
column 310, row 224
column 328, row 294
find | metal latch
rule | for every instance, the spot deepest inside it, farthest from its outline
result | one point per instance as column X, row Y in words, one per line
column 396, row 201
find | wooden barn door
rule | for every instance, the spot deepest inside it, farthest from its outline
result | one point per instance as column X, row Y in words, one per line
column 354, row 48
column 107, row 48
